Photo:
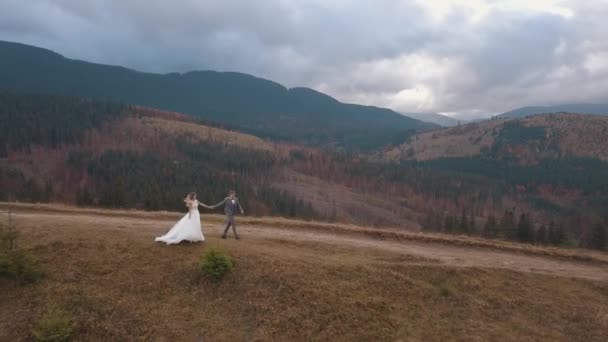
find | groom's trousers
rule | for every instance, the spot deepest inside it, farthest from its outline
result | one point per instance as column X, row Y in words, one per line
column 230, row 223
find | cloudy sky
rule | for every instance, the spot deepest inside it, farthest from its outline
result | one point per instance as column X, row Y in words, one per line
column 461, row 57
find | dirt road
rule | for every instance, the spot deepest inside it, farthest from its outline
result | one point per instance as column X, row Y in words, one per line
column 437, row 254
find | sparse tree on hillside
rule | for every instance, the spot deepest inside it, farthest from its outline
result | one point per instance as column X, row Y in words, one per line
column 83, row 197
column 472, row 225
column 463, row 224
column 525, row 231
column 490, row 229
column 556, row 234
column 449, row 223
column 541, row 235
column 599, row 237
column 507, row 226
column 432, row 221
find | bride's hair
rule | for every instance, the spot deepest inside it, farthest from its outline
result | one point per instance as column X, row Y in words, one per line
column 190, row 197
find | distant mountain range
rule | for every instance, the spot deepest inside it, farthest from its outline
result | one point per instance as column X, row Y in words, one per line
column 598, row 109
column 438, row 119
column 245, row 102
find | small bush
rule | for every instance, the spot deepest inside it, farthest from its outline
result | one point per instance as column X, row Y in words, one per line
column 446, row 290
column 55, row 325
column 15, row 263
column 20, row 266
column 215, row 264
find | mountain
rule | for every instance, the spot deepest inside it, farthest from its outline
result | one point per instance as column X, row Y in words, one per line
column 101, row 153
column 598, row 109
column 251, row 104
column 437, row 119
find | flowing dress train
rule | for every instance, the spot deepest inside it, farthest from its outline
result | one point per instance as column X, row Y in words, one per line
column 188, row 228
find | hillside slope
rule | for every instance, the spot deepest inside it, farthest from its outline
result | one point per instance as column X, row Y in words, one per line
column 106, row 271
column 252, row 104
column 598, row 109
column 528, row 140
column 556, row 163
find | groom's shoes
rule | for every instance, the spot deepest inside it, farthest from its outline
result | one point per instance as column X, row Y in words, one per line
column 224, row 237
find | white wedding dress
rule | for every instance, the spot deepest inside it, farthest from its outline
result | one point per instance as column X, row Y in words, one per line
column 186, row 229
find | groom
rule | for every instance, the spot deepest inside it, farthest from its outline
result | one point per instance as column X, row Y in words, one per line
column 231, row 204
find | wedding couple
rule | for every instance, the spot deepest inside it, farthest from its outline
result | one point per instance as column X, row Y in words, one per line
column 189, row 227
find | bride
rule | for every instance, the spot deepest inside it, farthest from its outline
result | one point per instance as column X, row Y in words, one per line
column 189, row 227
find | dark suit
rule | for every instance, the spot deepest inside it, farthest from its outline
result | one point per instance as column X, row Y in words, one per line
column 231, row 207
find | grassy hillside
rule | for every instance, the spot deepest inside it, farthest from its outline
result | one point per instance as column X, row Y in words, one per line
column 598, row 109
column 553, row 163
column 526, row 140
column 116, row 284
column 252, row 104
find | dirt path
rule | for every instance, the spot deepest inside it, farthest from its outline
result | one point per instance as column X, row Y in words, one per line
column 442, row 254
column 451, row 256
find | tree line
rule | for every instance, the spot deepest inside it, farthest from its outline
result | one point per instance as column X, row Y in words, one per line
column 512, row 227
column 49, row 120
column 122, row 179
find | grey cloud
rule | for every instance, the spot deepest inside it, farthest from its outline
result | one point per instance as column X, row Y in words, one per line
column 386, row 53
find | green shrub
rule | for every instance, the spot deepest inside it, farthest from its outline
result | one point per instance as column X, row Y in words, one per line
column 55, row 325
column 446, row 290
column 215, row 264
column 16, row 264
column 20, row 266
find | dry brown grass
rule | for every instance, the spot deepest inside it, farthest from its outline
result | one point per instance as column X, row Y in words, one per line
column 574, row 135
column 578, row 135
column 118, row 285
column 205, row 133
column 396, row 234
column 346, row 204
column 462, row 141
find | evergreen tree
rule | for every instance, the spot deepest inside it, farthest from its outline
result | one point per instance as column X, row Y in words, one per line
column 507, row 226
column 525, row 231
column 541, row 236
column 490, row 229
column 427, row 222
column 449, row 223
column 48, row 192
column 463, row 224
column 556, row 234
column 599, row 237
column 34, row 192
column 472, row 225
column 432, row 221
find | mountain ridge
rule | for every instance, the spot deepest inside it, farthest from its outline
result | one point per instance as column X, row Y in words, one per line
column 576, row 108
column 254, row 105
column 435, row 118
